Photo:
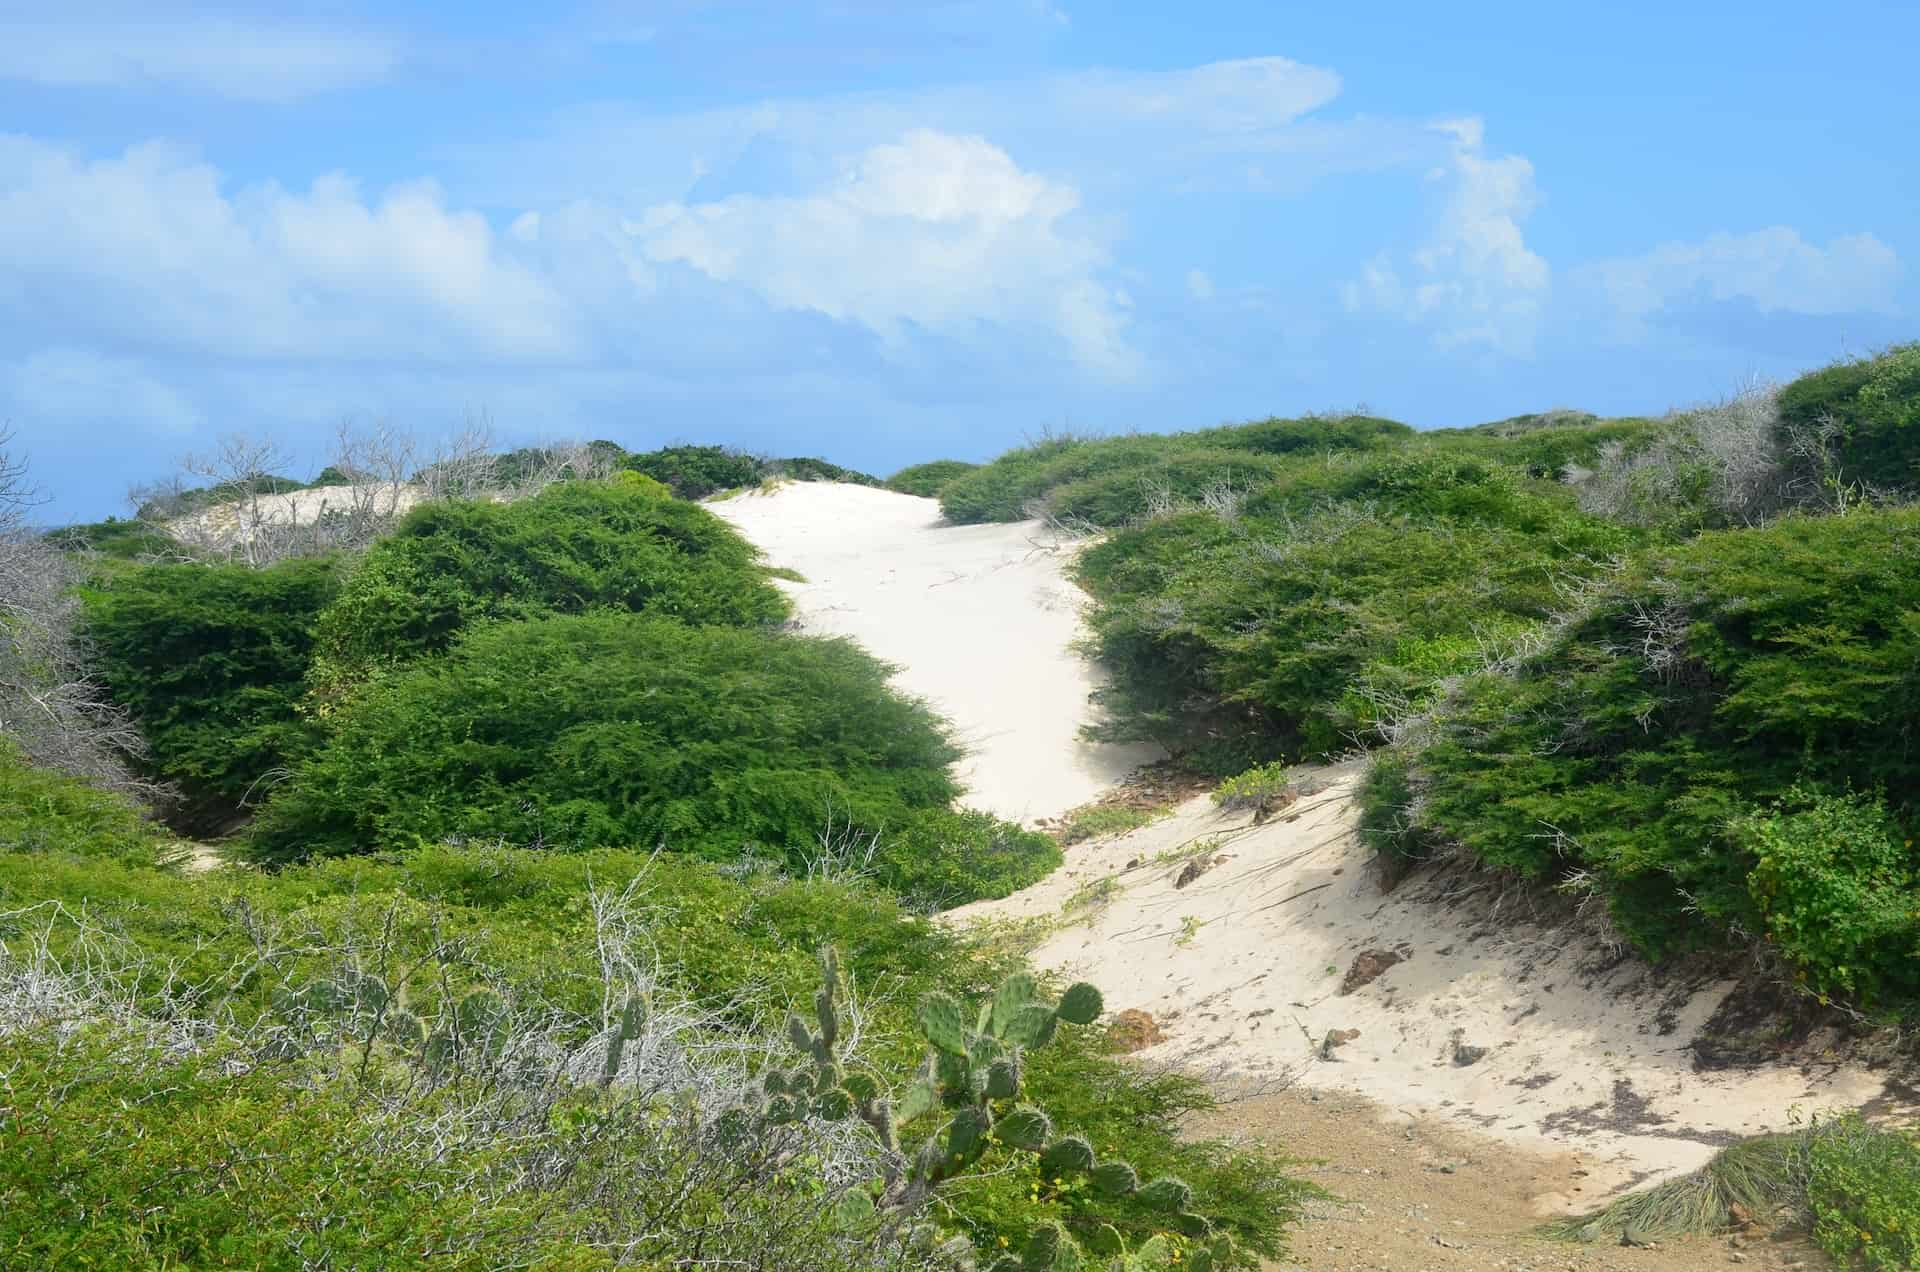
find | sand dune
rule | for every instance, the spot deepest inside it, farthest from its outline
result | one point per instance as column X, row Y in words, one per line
column 1568, row 1046
column 1536, row 1037
column 980, row 620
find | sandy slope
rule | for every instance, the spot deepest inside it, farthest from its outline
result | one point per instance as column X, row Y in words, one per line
column 979, row 619
column 1244, row 967
column 1586, row 1059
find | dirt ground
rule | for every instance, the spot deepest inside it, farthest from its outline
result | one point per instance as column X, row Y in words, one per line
column 1421, row 1194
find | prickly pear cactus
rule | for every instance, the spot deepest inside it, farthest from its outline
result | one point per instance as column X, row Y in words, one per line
column 973, row 1076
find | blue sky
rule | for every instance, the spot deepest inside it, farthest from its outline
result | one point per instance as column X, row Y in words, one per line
column 886, row 232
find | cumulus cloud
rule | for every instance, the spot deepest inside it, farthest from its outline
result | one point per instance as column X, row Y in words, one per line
column 150, row 248
column 241, row 57
column 934, row 230
column 1474, row 280
column 1773, row 269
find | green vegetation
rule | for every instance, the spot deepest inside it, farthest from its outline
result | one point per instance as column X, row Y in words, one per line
column 606, row 729
column 463, row 1056
column 576, row 547
column 695, row 472
column 1690, row 739
column 1110, row 480
column 47, row 813
column 117, row 538
column 1260, row 787
column 1856, row 1186
column 1334, row 596
column 1101, row 821
column 929, row 479
column 583, row 731
column 211, row 661
column 1872, row 407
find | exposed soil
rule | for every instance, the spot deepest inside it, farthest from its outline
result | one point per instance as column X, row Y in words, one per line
column 1412, row 1195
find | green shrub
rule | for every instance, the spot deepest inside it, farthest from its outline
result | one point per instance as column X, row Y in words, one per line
column 1315, row 435
column 929, row 479
column 695, row 472
column 1255, row 788
column 941, row 858
column 1833, row 881
column 128, row 539
column 1111, row 480
column 1874, row 406
column 1293, row 629
column 1703, row 682
column 614, row 729
column 806, row 468
column 576, row 547
column 1863, row 1188
column 211, row 662
column 1177, row 480
column 1103, row 820
column 47, row 813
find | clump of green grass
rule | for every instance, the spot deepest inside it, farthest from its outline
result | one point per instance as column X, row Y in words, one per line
column 1258, row 788
column 1106, row 820
column 1856, row 1186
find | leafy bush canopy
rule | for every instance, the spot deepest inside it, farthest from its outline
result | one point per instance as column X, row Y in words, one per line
column 1036, row 479
column 576, row 547
column 1338, row 595
column 616, row 729
column 1871, row 408
column 929, row 479
column 1698, row 719
column 695, row 472
column 211, row 661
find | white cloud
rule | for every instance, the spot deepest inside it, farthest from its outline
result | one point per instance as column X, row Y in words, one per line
column 935, row 230
column 1775, row 269
column 241, row 57
column 1199, row 285
column 149, row 248
column 1474, row 280
column 1114, row 130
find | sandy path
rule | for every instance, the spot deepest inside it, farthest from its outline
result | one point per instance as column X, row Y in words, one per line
column 1244, row 967
column 978, row 618
column 1425, row 1193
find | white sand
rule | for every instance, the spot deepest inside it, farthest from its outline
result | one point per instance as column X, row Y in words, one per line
column 228, row 523
column 1243, row 969
column 979, row 619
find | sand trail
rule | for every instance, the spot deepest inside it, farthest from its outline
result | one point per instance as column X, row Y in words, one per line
column 979, row 619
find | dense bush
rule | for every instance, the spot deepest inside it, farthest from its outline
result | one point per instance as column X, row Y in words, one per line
column 1031, row 479
column 694, row 472
column 576, row 547
column 1871, row 407
column 1313, row 435
column 1340, row 594
column 616, row 729
column 1679, row 732
column 1180, row 479
column 211, row 661
column 126, row 539
column 929, row 479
